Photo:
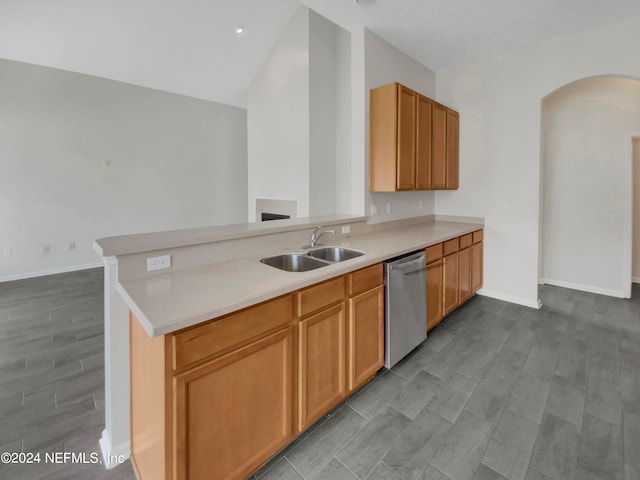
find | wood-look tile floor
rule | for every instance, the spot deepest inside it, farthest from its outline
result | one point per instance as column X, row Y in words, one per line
column 52, row 374
column 497, row 391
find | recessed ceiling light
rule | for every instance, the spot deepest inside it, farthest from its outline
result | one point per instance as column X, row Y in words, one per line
column 239, row 29
column 365, row 3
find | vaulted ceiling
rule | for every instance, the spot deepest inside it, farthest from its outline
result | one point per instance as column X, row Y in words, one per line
column 190, row 47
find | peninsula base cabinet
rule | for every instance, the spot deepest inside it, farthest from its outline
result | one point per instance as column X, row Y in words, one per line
column 217, row 400
column 454, row 275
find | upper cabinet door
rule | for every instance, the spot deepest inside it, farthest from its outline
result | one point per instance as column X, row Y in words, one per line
column 439, row 147
column 406, row 156
column 423, row 143
column 453, row 137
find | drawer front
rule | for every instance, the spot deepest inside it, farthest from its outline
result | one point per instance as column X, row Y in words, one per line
column 365, row 279
column 451, row 246
column 218, row 336
column 465, row 240
column 478, row 236
column 434, row 252
column 320, row 296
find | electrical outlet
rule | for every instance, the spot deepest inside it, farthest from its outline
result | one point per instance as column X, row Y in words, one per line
column 45, row 249
column 158, row 263
column 71, row 246
column 106, row 163
column 388, row 207
column 374, row 209
column 8, row 252
column 421, row 206
column 346, row 229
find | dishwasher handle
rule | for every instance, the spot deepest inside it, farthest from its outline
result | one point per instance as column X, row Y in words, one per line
column 413, row 272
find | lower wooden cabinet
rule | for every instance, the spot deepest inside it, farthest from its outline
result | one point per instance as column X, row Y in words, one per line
column 233, row 413
column 217, row 400
column 450, row 275
column 464, row 258
column 477, row 261
column 366, row 336
column 435, row 292
column 454, row 274
column 322, row 364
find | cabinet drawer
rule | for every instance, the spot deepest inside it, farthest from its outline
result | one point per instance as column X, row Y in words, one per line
column 219, row 335
column 465, row 241
column 434, row 252
column 478, row 236
column 451, row 246
column 320, row 296
column 364, row 279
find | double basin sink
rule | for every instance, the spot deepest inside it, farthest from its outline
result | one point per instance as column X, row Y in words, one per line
column 316, row 258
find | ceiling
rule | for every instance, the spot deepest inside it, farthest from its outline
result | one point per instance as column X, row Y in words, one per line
column 190, row 46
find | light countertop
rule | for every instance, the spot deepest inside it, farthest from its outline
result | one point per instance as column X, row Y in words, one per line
column 183, row 298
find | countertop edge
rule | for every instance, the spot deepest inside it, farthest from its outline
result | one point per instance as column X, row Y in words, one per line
column 145, row 242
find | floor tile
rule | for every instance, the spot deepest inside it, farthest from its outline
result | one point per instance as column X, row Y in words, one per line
column 603, row 400
column 335, row 470
column 415, row 394
column 282, row 471
column 490, row 398
column 310, row 456
column 485, row 473
column 383, row 472
column 451, row 396
column 510, row 448
column 463, row 447
column 528, row 397
column 370, row 400
column 555, row 453
column 631, row 439
column 566, row 401
column 417, row 444
column 599, row 451
column 362, row 453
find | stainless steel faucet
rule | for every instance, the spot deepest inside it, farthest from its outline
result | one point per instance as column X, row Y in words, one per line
column 315, row 236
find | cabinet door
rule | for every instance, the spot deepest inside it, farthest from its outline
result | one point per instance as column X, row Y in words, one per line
column 322, row 364
column 406, row 157
column 434, row 294
column 423, row 143
column 464, row 257
column 453, row 139
column 439, row 146
column 451, row 285
column 233, row 413
column 476, row 267
column 365, row 336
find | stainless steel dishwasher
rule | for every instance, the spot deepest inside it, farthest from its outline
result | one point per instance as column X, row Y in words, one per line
column 405, row 282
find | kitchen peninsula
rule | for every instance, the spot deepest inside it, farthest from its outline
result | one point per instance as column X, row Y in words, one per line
column 219, row 320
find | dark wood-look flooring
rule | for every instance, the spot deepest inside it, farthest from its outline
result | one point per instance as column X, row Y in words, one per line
column 52, row 374
column 498, row 391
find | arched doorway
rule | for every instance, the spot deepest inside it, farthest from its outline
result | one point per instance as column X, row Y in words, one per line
column 586, row 184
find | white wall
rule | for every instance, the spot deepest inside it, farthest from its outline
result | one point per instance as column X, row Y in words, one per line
column 499, row 103
column 323, row 92
column 278, row 121
column 585, row 196
column 636, row 210
column 299, row 119
column 385, row 64
column 175, row 162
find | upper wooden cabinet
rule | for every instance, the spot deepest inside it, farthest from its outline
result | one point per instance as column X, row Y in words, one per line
column 413, row 141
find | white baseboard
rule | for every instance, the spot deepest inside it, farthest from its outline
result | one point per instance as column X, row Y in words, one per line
column 112, row 456
column 51, row 271
column 511, row 299
column 583, row 288
column 635, row 279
